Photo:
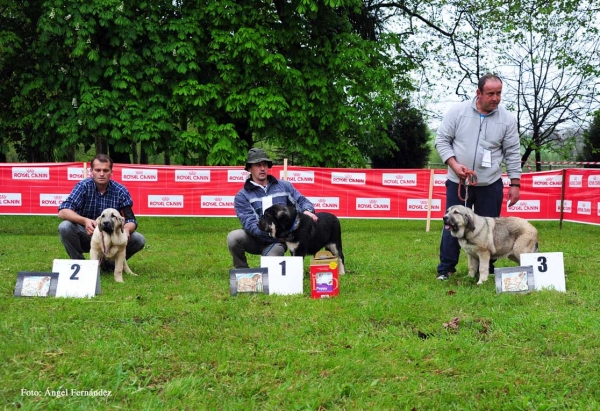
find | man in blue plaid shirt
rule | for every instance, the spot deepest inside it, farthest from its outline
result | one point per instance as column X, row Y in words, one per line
column 86, row 202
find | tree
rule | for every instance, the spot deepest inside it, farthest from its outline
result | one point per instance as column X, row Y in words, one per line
column 410, row 134
column 547, row 52
column 591, row 146
column 200, row 81
column 551, row 80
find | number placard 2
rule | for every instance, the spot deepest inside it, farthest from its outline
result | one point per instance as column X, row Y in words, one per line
column 548, row 270
column 285, row 274
column 77, row 278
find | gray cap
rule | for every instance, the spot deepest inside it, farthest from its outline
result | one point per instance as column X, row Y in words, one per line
column 257, row 155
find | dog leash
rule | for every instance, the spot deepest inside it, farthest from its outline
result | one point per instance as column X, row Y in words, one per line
column 471, row 180
column 103, row 250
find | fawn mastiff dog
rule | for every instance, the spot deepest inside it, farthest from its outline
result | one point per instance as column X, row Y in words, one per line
column 109, row 242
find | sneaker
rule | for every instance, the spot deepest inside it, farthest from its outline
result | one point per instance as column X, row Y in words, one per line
column 444, row 275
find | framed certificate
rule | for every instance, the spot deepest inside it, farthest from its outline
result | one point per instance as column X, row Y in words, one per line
column 36, row 284
column 249, row 280
column 514, row 279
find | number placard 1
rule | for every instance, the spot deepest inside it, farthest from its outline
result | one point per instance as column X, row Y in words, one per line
column 77, row 278
column 285, row 274
column 548, row 270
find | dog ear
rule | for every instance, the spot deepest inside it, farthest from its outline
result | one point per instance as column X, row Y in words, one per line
column 121, row 223
column 470, row 224
column 98, row 225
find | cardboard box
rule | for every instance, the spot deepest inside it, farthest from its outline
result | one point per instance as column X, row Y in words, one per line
column 324, row 275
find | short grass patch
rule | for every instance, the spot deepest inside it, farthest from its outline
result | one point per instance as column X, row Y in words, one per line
column 173, row 338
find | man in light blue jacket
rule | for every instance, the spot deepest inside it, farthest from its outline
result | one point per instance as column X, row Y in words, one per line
column 474, row 139
column 259, row 192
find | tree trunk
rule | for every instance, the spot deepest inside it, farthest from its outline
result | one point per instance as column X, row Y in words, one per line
column 526, row 154
column 143, row 153
column 71, row 153
column 101, row 146
column 134, row 153
column 121, row 158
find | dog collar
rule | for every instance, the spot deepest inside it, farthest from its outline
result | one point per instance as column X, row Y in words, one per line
column 296, row 222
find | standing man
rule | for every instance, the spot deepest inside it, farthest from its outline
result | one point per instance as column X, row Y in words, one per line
column 260, row 191
column 86, row 202
column 474, row 139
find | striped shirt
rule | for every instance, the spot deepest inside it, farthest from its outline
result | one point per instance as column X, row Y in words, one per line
column 86, row 200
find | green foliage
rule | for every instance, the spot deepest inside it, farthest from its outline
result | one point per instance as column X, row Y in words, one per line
column 411, row 136
column 198, row 80
column 546, row 51
column 591, row 145
column 174, row 339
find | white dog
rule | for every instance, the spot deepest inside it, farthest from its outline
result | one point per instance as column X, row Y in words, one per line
column 109, row 242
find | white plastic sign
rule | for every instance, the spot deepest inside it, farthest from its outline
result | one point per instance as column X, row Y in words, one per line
column 548, row 270
column 285, row 274
column 77, row 278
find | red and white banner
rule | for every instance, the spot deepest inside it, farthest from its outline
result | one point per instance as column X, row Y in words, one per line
column 350, row 193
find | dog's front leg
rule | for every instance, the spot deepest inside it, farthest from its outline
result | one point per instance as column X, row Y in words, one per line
column 473, row 263
column 94, row 253
column 119, row 258
column 484, row 266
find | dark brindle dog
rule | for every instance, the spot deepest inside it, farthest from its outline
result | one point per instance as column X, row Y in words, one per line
column 303, row 235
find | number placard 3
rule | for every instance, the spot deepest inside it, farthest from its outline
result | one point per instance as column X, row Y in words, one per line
column 77, row 278
column 548, row 270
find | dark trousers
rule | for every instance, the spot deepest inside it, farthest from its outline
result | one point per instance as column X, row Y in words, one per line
column 485, row 200
column 77, row 241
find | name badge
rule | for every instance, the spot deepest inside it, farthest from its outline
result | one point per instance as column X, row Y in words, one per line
column 486, row 161
column 267, row 202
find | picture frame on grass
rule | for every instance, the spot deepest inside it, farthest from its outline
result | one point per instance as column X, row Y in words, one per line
column 249, row 280
column 514, row 279
column 36, row 284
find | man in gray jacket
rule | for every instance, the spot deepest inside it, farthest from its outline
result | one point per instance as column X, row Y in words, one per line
column 260, row 191
column 474, row 139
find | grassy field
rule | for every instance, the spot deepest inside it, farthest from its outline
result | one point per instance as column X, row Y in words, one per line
column 174, row 339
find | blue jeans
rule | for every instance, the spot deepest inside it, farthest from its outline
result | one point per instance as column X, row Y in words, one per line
column 485, row 200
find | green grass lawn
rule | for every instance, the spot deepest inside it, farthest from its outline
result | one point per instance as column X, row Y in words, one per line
column 174, row 339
